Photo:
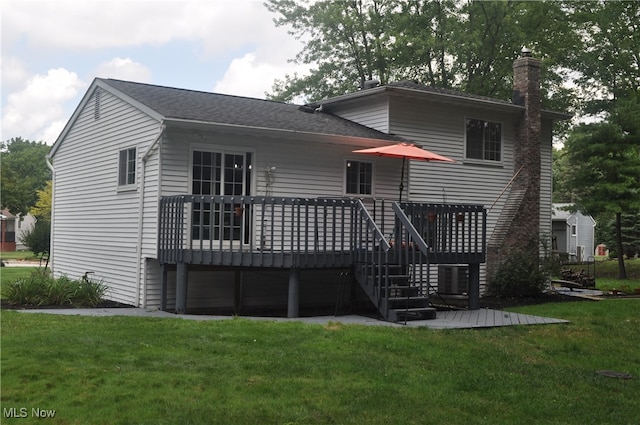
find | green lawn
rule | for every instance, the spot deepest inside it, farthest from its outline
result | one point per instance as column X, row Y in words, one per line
column 18, row 255
column 123, row 370
column 8, row 274
column 609, row 268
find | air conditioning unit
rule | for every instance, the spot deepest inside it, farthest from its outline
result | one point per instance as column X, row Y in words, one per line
column 453, row 279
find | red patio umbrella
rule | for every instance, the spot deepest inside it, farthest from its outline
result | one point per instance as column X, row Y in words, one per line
column 404, row 151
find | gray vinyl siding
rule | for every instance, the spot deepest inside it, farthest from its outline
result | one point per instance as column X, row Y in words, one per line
column 96, row 225
column 584, row 234
column 374, row 114
column 303, row 168
column 546, row 149
column 441, row 128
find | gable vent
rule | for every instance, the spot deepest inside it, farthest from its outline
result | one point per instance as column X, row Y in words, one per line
column 96, row 104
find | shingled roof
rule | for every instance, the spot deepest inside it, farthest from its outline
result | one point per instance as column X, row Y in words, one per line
column 412, row 85
column 205, row 107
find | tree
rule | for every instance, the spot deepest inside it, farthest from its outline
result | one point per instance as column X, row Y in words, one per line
column 630, row 233
column 349, row 41
column 42, row 208
column 603, row 162
column 38, row 238
column 24, row 171
column 464, row 45
column 561, row 190
column 608, row 62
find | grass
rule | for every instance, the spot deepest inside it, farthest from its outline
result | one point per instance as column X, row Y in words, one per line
column 18, row 255
column 122, row 370
column 609, row 268
column 8, row 274
column 606, row 272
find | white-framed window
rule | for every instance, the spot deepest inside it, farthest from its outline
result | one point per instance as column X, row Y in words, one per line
column 574, row 230
column 483, row 140
column 358, row 177
column 127, row 167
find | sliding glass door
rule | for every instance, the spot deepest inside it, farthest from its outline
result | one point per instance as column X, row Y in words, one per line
column 220, row 173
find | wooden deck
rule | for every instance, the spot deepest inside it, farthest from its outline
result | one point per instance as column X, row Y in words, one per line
column 314, row 233
column 483, row 318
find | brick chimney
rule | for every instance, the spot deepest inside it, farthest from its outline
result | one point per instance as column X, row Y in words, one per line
column 520, row 226
column 526, row 92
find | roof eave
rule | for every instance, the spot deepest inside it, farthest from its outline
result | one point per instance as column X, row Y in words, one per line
column 245, row 129
column 443, row 97
column 555, row 115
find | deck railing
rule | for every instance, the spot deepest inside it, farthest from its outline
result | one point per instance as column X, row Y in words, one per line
column 454, row 233
column 256, row 231
column 308, row 232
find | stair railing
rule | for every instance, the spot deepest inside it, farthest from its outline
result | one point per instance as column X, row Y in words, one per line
column 371, row 251
column 505, row 188
column 409, row 249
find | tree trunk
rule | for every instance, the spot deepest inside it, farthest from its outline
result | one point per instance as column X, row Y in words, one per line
column 622, row 272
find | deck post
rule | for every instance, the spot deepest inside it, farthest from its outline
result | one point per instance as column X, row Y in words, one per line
column 474, row 286
column 163, row 286
column 181, row 288
column 294, row 292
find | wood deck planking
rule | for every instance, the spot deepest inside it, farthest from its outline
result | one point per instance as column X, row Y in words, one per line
column 483, row 318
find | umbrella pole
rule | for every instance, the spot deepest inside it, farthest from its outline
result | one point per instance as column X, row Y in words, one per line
column 404, row 158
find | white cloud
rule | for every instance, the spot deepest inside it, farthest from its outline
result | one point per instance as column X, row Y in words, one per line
column 36, row 111
column 14, row 74
column 253, row 74
column 221, row 25
column 246, row 76
column 124, row 69
column 67, row 35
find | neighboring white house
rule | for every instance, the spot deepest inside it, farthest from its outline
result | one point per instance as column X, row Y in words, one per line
column 14, row 228
column 573, row 233
column 128, row 147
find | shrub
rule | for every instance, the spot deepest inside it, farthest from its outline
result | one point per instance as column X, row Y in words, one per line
column 60, row 291
column 89, row 292
column 38, row 238
column 40, row 288
column 521, row 275
column 27, row 291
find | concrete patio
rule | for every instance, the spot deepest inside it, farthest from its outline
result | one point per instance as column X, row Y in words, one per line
column 453, row 319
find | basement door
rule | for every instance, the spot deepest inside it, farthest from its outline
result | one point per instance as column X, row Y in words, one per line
column 226, row 174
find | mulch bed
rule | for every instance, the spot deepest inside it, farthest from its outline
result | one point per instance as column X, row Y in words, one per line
column 4, row 305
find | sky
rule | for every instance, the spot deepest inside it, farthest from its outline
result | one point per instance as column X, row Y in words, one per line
column 53, row 49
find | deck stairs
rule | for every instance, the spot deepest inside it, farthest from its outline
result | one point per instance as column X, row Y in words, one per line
column 391, row 272
column 397, row 297
column 402, row 299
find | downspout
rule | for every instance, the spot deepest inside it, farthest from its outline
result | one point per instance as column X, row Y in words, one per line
column 141, row 264
column 53, row 197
